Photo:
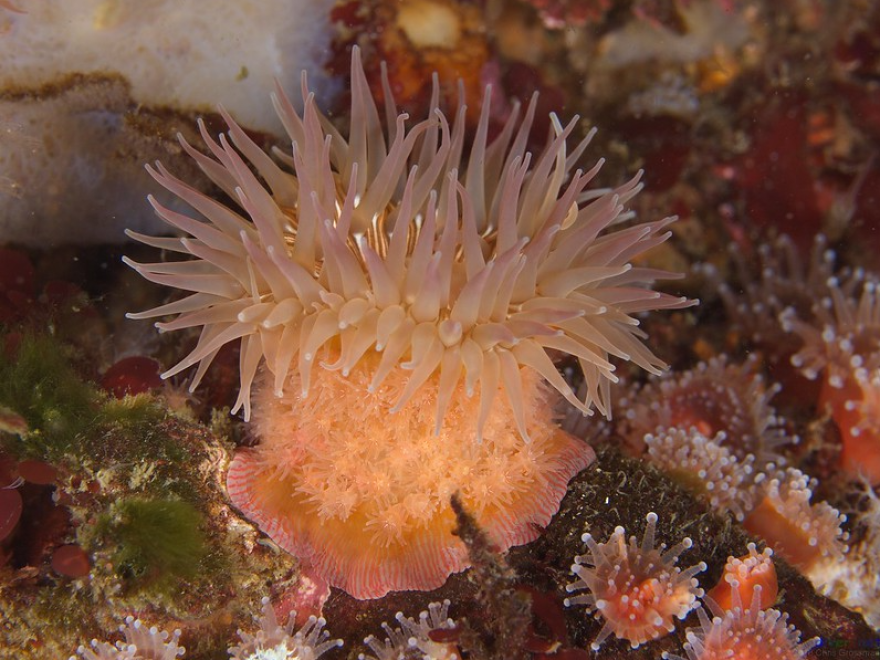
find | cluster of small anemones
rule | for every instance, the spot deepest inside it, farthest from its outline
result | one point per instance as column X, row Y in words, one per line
column 835, row 313
column 392, row 297
column 141, row 643
column 276, row 642
column 739, row 632
column 636, row 588
column 271, row 642
column 711, row 426
column 416, row 640
column 775, row 280
column 774, row 504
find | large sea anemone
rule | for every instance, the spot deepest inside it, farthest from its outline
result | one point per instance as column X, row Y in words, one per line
column 399, row 304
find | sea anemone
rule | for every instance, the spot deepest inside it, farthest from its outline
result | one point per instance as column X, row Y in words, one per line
column 714, row 397
column 276, row 642
column 808, row 535
column 862, row 453
column 414, row 639
column 707, row 466
column 742, row 575
column 141, row 643
column 843, row 341
column 745, row 634
column 415, row 277
column 637, row 589
column 842, row 344
column 772, row 279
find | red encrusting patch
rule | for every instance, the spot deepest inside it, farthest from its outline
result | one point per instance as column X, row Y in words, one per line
column 132, row 375
column 71, row 561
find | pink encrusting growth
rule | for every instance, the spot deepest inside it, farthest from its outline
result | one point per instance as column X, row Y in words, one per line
column 398, row 301
column 636, row 588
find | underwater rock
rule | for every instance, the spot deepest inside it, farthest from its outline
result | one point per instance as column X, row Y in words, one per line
column 174, row 53
column 71, row 163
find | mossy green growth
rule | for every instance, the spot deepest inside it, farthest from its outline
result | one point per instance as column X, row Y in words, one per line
column 138, row 416
column 40, row 384
column 159, row 542
column 68, row 417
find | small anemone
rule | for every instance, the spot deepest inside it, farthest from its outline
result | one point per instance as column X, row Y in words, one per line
column 742, row 632
column 141, row 643
column 273, row 641
column 635, row 587
column 415, row 639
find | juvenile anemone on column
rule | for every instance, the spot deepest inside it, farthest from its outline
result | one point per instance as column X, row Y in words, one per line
column 430, row 283
column 743, row 574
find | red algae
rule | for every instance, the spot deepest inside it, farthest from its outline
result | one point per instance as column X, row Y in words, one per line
column 71, row 561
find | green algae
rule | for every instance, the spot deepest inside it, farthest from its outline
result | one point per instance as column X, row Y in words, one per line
column 68, row 418
column 128, row 464
column 157, row 542
column 41, row 385
column 137, row 415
